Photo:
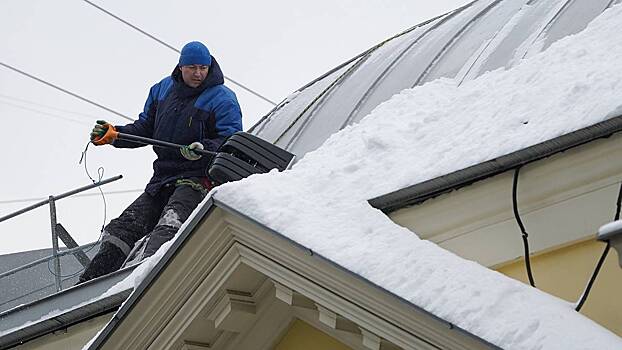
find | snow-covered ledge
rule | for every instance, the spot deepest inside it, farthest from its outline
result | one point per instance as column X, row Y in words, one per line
column 426, row 132
column 60, row 310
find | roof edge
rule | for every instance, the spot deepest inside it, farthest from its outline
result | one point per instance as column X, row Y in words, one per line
column 142, row 287
column 203, row 213
column 47, row 323
column 335, row 265
column 419, row 193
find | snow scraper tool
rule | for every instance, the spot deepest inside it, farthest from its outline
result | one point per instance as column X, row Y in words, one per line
column 240, row 156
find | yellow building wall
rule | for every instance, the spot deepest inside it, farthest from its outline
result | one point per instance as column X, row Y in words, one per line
column 565, row 273
column 302, row 336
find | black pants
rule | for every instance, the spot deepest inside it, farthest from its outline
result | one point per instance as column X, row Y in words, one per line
column 158, row 216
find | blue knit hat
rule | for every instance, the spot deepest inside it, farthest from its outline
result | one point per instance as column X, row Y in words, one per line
column 195, row 53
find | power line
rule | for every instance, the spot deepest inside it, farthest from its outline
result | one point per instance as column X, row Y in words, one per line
column 23, row 200
column 44, row 113
column 45, row 106
column 65, row 91
column 171, row 47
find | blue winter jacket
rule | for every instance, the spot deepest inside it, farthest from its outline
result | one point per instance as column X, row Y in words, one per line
column 177, row 113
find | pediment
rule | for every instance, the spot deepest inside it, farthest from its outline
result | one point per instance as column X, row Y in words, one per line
column 234, row 284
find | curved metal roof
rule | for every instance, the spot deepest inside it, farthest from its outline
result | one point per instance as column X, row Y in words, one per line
column 463, row 44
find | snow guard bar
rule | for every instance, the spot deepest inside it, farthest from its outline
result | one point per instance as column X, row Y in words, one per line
column 240, row 156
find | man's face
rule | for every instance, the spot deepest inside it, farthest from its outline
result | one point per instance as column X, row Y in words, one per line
column 194, row 74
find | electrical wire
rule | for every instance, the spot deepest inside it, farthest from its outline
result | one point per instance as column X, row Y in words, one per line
column 603, row 256
column 590, row 283
column 71, row 275
column 618, row 204
column 22, row 200
column 65, row 91
column 100, row 174
column 33, row 103
column 173, row 48
column 525, row 235
column 45, row 113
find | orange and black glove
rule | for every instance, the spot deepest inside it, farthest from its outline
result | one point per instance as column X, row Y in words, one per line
column 103, row 133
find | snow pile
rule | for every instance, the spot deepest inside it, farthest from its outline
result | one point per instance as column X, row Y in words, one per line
column 429, row 131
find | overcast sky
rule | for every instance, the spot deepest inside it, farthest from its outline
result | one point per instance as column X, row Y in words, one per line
column 273, row 47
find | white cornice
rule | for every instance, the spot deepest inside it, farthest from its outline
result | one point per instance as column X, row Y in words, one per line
column 562, row 199
column 342, row 291
column 192, row 288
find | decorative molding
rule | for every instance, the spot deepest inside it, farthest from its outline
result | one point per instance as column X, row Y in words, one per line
column 225, row 242
column 327, row 317
column 284, row 294
column 234, row 312
column 336, row 321
column 291, row 298
column 188, row 345
column 415, row 322
column 207, row 252
column 370, row 340
column 392, row 318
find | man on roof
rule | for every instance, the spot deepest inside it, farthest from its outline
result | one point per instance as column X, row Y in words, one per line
column 190, row 107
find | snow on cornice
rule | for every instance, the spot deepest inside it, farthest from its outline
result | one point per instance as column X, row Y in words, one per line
column 426, row 132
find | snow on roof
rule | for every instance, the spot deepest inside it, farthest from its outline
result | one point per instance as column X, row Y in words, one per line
column 462, row 44
column 429, row 131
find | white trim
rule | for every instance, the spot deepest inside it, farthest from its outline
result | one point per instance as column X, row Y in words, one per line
column 195, row 346
column 337, row 289
column 562, row 199
column 370, row 340
column 327, row 317
column 191, row 286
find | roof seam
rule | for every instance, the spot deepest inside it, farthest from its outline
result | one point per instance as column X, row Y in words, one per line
column 281, row 104
column 453, row 40
column 391, row 66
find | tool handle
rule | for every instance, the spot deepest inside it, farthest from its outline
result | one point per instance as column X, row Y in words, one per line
column 158, row 143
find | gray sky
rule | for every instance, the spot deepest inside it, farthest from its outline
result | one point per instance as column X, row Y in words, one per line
column 273, row 47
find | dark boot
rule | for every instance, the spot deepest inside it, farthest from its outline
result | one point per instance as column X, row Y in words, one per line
column 108, row 259
column 121, row 233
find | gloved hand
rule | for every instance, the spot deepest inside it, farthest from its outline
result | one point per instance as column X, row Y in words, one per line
column 188, row 153
column 103, row 133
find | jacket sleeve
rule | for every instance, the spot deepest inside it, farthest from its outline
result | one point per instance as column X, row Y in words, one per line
column 227, row 121
column 144, row 125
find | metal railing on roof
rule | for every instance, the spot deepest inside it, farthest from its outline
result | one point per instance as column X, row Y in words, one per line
column 58, row 231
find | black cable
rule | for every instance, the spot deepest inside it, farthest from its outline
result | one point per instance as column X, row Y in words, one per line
column 33, row 103
column 522, row 227
column 22, row 200
column 618, row 204
column 71, row 275
column 65, row 91
column 100, row 173
column 45, row 113
column 603, row 256
column 593, row 278
column 171, row 47
column 131, row 25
